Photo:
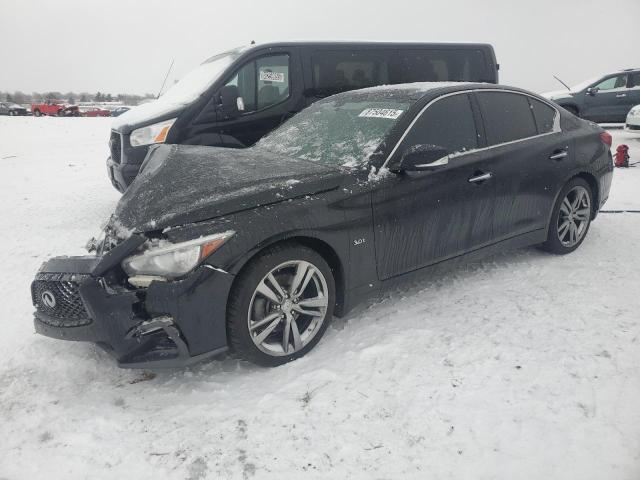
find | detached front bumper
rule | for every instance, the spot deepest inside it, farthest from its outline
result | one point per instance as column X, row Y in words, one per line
column 168, row 324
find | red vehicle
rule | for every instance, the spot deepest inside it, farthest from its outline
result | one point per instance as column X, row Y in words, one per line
column 96, row 112
column 54, row 107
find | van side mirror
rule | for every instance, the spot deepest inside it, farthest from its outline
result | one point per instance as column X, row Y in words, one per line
column 231, row 102
column 592, row 91
column 423, row 157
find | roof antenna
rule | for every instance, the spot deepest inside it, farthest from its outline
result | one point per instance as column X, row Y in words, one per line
column 165, row 77
column 568, row 88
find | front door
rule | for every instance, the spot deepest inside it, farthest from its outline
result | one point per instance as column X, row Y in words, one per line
column 270, row 86
column 607, row 100
column 421, row 218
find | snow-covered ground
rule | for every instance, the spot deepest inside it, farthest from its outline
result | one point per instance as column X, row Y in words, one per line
column 523, row 366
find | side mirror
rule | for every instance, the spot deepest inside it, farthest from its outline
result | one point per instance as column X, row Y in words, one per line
column 592, row 91
column 230, row 102
column 423, row 157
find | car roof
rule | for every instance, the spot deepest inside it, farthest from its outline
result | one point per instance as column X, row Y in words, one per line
column 346, row 43
column 418, row 90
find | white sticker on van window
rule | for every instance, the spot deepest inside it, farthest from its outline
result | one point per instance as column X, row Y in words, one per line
column 381, row 113
column 266, row 76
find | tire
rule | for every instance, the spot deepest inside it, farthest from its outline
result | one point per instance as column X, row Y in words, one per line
column 563, row 239
column 12, row 113
column 61, row 113
column 259, row 325
column 37, row 113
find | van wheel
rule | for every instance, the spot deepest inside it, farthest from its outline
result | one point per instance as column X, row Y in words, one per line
column 570, row 219
column 280, row 305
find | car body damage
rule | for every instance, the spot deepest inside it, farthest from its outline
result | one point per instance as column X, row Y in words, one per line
column 165, row 280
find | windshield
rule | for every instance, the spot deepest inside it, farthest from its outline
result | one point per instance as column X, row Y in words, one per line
column 582, row 85
column 337, row 131
column 196, row 82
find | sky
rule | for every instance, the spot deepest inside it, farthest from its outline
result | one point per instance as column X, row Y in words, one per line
column 122, row 46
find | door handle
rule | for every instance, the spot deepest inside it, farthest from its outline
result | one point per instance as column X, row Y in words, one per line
column 620, row 95
column 559, row 155
column 481, row 178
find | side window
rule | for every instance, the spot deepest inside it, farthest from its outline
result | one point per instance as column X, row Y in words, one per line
column 273, row 80
column 544, row 115
column 245, row 80
column 441, row 65
column 634, row 80
column 507, row 116
column 446, row 123
column 263, row 82
column 338, row 71
column 610, row 83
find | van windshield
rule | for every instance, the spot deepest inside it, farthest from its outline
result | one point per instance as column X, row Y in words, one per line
column 344, row 130
column 198, row 81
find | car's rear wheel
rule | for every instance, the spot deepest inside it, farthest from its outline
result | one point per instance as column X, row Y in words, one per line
column 280, row 305
column 61, row 113
column 571, row 218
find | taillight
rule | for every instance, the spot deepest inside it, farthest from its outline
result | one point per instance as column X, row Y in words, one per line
column 606, row 138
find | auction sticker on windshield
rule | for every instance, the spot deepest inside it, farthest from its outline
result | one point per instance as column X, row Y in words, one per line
column 381, row 113
column 271, row 76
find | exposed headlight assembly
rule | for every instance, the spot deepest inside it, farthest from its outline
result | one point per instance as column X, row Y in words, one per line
column 156, row 133
column 176, row 259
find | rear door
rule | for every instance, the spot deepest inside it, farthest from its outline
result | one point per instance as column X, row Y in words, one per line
column 528, row 157
column 633, row 90
column 421, row 218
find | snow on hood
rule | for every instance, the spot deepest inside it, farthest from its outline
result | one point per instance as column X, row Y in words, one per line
column 556, row 94
column 145, row 112
column 181, row 184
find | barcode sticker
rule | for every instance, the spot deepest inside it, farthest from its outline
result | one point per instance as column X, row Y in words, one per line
column 381, row 113
column 266, row 76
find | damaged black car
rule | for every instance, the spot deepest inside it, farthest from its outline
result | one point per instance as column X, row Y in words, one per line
column 256, row 250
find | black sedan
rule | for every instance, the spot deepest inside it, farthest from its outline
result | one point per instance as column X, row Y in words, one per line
column 256, row 250
column 12, row 109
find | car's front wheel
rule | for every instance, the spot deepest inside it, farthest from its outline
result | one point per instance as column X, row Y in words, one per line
column 570, row 218
column 280, row 305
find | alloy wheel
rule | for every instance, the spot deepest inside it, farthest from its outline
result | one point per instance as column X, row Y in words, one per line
column 288, row 308
column 574, row 216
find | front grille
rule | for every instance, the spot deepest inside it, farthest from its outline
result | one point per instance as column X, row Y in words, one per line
column 57, row 296
column 115, row 145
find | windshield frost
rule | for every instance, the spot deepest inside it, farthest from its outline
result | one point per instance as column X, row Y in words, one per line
column 339, row 131
column 196, row 82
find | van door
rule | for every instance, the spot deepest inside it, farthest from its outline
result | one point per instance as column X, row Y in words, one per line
column 270, row 89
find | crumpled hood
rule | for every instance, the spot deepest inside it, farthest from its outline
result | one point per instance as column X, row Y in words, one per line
column 181, row 184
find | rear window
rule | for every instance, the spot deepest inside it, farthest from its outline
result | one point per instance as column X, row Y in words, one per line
column 507, row 116
column 543, row 114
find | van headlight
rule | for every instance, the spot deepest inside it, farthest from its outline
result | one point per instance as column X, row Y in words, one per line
column 156, row 133
column 175, row 259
